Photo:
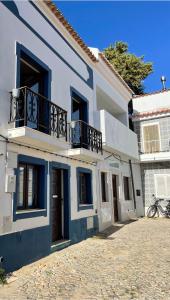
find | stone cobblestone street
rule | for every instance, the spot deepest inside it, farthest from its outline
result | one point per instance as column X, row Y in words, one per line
column 133, row 262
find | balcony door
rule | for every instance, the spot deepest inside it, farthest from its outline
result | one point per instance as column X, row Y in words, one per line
column 79, row 114
column 34, row 76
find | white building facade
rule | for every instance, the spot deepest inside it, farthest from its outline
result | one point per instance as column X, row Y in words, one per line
column 151, row 120
column 68, row 161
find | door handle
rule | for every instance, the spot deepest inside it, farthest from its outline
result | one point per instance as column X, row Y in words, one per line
column 55, row 196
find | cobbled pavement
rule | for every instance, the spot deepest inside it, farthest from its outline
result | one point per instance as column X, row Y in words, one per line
column 129, row 261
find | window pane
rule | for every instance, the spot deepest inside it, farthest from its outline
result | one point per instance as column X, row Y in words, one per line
column 76, row 107
column 30, row 186
column 20, row 198
column 83, row 189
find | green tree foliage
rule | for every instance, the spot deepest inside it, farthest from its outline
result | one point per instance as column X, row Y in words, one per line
column 132, row 68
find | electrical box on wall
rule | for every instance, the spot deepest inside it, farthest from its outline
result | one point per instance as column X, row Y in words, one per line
column 10, row 183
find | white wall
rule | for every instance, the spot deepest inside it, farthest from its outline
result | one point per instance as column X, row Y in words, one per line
column 138, row 186
column 107, row 92
column 151, row 102
column 126, row 208
column 116, row 136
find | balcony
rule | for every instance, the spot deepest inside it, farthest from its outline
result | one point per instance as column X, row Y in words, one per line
column 85, row 140
column 156, row 150
column 36, row 120
column 116, row 136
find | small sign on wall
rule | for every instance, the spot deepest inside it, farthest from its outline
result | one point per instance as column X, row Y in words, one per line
column 138, row 193
column 114, row 165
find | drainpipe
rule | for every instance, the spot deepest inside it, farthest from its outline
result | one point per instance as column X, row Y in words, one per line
column 133, row 187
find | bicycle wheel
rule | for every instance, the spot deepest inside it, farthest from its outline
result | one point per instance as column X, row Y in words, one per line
column 167, row 214
column 151, row 212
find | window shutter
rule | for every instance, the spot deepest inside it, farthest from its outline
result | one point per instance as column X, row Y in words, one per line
column 151, row 138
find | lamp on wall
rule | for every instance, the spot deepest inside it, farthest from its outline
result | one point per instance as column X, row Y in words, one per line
column 15, row 93
column 73, row 124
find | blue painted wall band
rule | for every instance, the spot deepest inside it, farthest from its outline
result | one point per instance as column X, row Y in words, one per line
column 24, row 247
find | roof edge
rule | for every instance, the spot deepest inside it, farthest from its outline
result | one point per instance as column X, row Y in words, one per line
column 151, row 113
column 111, row 67
column 69, row 28
column 150, row 94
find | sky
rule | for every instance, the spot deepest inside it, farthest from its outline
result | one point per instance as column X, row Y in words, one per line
column 144, row 25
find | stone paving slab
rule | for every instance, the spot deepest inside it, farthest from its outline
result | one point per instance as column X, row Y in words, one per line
column 129, row 261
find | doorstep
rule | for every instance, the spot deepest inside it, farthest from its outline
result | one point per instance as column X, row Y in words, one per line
column 60, row 245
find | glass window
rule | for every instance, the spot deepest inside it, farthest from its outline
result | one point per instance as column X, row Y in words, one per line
column 85, row 188
column 21, row 187
column 28, row 186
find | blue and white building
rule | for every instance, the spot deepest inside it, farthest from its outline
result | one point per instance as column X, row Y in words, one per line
column 68, row 160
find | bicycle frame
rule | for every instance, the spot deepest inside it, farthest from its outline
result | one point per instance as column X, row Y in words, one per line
column 159, row 208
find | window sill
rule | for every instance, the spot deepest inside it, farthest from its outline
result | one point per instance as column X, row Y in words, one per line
column 30, row 213
column 27, row 211
column 105, row 203
column 85, row 206
column 128, row 199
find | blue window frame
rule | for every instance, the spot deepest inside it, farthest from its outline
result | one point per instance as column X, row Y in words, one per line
column 31, row 171
column 84, row 189
column 80, row 106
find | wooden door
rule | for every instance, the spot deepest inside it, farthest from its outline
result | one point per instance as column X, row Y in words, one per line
column 115, row 198
column 56, row 205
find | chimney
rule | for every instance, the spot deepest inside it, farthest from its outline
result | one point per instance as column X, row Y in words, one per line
column 163, row 80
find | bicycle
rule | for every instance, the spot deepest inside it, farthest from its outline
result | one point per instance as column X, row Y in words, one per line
column 156, row 208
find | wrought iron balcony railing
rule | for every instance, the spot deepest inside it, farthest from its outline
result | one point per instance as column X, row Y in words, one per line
column 33, row 110
column 85, row 136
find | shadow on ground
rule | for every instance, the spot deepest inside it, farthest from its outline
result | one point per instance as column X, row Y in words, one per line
column 106, row 234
